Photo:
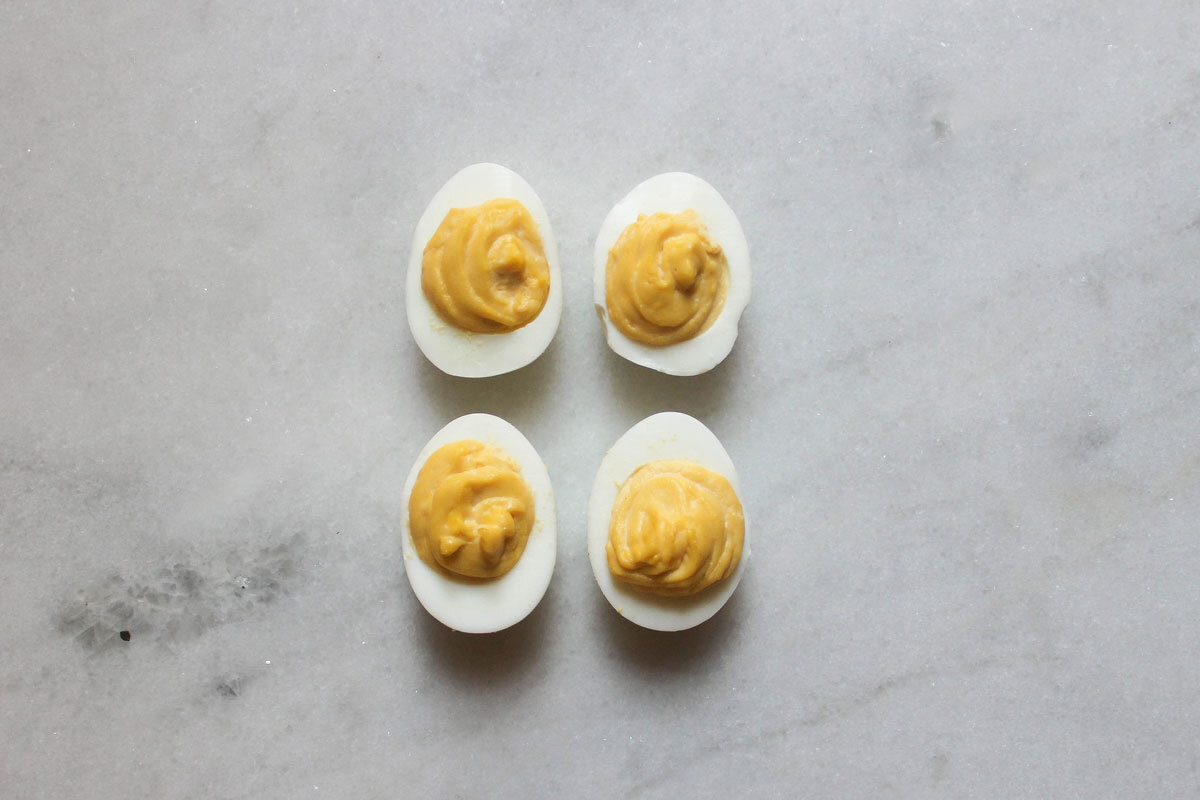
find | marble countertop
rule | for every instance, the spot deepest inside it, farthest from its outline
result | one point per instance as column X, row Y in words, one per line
column 964, row 402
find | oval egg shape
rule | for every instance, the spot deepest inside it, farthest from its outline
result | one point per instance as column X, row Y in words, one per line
column 464, row 353
column 486, row 606
column 667, row 436
column 676, row 193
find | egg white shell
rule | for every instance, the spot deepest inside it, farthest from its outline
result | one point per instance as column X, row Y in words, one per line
column 669, row 435
column 676, row 192
column 480, row 355
column 493, row 605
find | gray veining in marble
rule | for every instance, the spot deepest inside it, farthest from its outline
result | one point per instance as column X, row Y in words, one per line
column 964, row 402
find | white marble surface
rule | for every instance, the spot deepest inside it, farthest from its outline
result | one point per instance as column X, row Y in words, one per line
column 964, row 402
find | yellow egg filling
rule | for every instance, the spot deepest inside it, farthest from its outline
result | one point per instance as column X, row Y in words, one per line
column 666, row 280
column 676, row 529
column 484, row 269
column 471, row 510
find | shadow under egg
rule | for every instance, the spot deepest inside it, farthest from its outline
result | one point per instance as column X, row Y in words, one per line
column 488, row 659
column 519, row 396
column 644, row 391
column 654, row 652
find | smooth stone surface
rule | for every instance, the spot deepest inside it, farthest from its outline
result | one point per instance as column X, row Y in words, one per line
column 964, row 402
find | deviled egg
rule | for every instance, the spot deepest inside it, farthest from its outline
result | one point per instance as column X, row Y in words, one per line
column 671, row 275
column 479, row 535
column 668, row 537
column 483, row 292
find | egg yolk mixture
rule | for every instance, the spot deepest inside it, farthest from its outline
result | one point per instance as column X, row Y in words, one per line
column 471, row 510
column 676, row 529
column 666, row 280
column 484, row 269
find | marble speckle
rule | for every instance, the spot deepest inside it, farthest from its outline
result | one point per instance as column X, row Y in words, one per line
column 181, row 601
column 963, row 402
column 230, row 686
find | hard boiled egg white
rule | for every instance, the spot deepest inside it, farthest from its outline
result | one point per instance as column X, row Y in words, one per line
column 487, row 606
column 480, row 355
column 669, row 435
column 676, row 192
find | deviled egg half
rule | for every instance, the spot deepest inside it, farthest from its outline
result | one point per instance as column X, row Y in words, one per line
column 668, row 538
column 671, row 275
column 479, row 532
column 483, row 293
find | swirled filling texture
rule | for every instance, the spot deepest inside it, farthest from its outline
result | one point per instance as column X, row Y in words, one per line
column 676, row 529
column 666, row 279
column 471, row 510
column 484, row 269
